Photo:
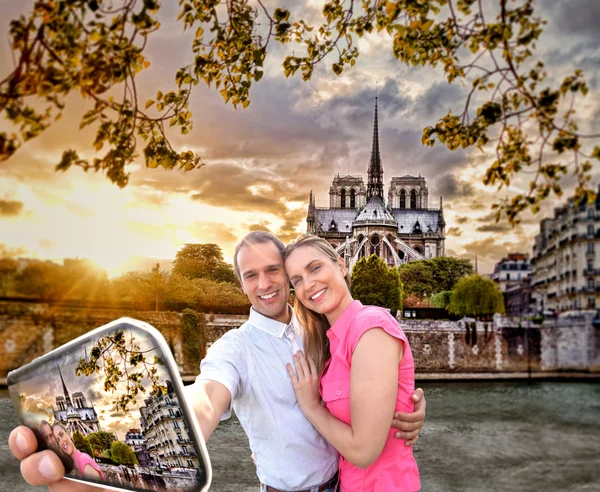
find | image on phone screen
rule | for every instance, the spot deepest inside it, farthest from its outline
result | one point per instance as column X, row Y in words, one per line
column 108, row 407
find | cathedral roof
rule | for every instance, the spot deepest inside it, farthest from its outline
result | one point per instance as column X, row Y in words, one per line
column 375, row 211
column 407, row 218
column 342, row 217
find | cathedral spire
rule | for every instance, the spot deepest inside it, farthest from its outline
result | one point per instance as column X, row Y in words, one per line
column 66, row 392
column 375, row 171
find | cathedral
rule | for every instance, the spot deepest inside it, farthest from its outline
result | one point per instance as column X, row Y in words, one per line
column 75, row 415
column 359, row 223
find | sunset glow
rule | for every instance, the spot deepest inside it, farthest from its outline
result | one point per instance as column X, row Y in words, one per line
column 261, row 163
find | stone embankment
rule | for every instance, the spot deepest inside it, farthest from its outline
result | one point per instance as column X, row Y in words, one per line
column 506, row 347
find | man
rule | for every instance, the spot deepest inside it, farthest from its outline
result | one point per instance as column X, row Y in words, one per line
column 245, row 370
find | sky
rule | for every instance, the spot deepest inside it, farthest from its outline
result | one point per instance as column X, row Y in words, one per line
column 262, row 162
column 42, row 388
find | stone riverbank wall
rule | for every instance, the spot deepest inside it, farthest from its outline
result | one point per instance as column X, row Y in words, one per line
column 503, row 346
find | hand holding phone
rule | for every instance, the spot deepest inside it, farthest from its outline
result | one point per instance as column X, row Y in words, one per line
column 108, row 409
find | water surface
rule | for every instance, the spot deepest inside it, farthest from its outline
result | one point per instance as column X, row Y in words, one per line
column 483, row 436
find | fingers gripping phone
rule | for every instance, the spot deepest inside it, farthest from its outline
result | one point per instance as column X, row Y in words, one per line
column 110, row 404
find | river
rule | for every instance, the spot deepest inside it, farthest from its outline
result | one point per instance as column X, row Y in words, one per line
column 480, row 436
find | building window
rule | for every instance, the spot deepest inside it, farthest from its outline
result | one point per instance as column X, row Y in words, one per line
column 343, row 199
column 403, row 199
column 591, row 284
column 190, row 464
column 508, row 276
column 175, row 424
column 591, row 302
column 590, row 265
column 590, row 248
column 375, row 246
column 171, row 413
column 352, row 199
column 591, row 213
column 590, row 231
column 413, row 199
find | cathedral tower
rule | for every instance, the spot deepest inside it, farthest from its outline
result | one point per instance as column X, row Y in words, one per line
column 375, row 171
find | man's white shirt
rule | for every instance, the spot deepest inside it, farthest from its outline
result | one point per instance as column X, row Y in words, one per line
column 250, row 362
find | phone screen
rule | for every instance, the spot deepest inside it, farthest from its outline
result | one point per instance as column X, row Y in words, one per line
column 108, row 406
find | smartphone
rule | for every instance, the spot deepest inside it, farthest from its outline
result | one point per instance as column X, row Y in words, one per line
column 111, row 405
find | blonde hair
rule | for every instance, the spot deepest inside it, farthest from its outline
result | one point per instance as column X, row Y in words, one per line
column 315, row 325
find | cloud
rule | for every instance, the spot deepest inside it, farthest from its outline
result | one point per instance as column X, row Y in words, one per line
column 454, row 231
column 46, row 243
column 499, row 227
column 440, row 98
column 489, row 251
column 218, row 233
column 10, row 208
column 289, row 230
column 449, row 186
column 461, row 219
column 477, row 205
column 579, row 17
column 261, row 226
column 244, row 188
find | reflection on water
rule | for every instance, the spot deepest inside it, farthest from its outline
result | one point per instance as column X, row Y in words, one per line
column 478, row 437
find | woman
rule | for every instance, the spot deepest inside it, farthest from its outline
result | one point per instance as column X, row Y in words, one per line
column 84, row 463
column 360, row 363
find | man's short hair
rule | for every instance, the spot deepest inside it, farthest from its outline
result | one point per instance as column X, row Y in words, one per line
column 256, row 237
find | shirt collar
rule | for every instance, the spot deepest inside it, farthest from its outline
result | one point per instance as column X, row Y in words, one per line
column 269, row 325
column 339, row 327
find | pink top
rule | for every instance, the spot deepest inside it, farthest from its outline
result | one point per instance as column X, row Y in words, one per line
column 395, row 469
column 82, row 459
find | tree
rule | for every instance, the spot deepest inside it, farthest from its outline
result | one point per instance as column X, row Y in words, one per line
column 122, row 454
column 124, row 366
column 42, row 279
column 224, row 273
column 446, row 271
column 417, row 278
column 143, row 289
column 206, row 295
column 157, row 285
column 476, row 296
column 82, row 443
column 8, row 272
column 373, row 282
column 193, row 334
column 414, row 301
column 442, row 299
column 203, row 261
column 101, row 441
column 83, row 279
column 86, row 47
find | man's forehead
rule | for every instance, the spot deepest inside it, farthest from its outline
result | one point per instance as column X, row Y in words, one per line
column 256, row 254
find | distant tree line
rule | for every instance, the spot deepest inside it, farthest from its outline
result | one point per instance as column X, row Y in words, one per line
column 200, row 279
column 441, row 282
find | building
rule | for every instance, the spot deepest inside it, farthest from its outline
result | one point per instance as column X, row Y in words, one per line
column 136, row 441
column 359, row 222
column 519, row 299
column 75, row 414
column 565, row 263
column 166, row 433
column 511, row 271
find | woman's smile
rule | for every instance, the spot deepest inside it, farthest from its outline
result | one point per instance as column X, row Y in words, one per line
column 318, row 297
